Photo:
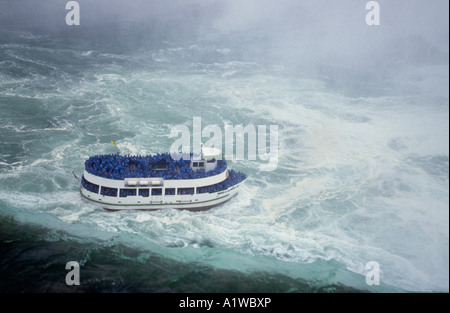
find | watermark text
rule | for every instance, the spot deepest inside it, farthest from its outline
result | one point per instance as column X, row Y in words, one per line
column 73, row 16
column 373, row 274
column 259, row 145
column 373, row 16
column 73, row 277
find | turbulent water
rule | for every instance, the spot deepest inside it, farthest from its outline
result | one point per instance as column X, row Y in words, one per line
column 362, row 175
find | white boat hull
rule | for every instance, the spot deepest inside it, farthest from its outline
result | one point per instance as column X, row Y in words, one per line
column 195, row 201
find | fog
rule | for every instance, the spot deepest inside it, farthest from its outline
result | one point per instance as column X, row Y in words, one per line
column 322, row 28
column 324, row 38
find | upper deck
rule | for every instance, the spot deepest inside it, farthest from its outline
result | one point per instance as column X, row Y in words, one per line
column 119, row 167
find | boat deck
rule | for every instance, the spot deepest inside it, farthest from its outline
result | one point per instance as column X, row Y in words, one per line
column 119, row 167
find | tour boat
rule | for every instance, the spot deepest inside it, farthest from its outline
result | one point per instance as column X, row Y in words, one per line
column 152, row 182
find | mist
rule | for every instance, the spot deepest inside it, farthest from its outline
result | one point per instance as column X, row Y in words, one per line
column 326, row 39
column 290, row 28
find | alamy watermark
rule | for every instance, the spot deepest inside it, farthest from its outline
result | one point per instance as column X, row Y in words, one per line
column 73, row 16
column 73, row 276
column 373, row 17
column 373, row 274
column 257, row 142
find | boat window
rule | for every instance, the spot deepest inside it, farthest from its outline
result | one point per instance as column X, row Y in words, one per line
column 156, row 191
column 213, row 188
column 169, row 191
column 127, row 192
column 195, row 164
column 205, row 189
column 107, row 191
column 89, row 186
column 144, row 192
column 185, row 191
column 201, row 164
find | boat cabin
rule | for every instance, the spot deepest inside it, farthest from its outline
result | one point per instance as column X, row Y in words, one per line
column 207, row 161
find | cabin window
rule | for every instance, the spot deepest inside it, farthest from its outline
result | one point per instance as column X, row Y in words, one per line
column 214, row 188
column 144, row 192
column 89, row 186
column 107, row 191
column 185, row 191
column 201, row 164
column 206, row 189
column 127, row 192
column 156, row 191
column 195, row 164
column 169, row 191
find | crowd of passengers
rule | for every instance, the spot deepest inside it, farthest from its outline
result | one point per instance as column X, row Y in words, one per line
column 114, row 166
